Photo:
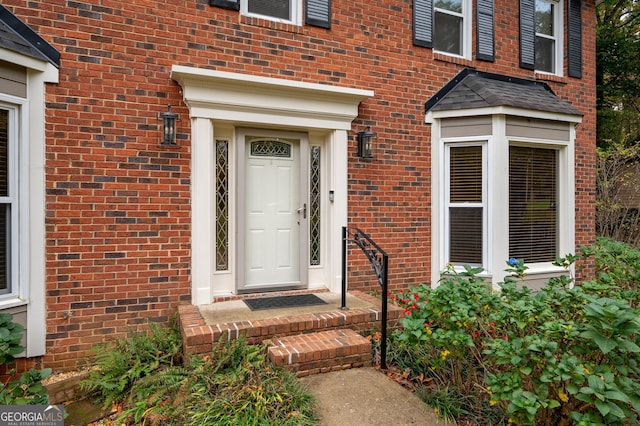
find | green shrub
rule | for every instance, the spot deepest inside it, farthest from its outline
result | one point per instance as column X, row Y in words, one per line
column 562, row 355
column 617, row 265
column 233, row 385
column 28, row 389
column 122, row 362
column 10, row 337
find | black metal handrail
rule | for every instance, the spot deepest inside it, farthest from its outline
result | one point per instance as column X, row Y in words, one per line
column 380, row 262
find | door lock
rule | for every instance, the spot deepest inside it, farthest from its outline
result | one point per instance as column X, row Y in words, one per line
column 303, row 210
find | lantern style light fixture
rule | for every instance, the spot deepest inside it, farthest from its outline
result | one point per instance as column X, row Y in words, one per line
column 365, row 143
column 168, row 136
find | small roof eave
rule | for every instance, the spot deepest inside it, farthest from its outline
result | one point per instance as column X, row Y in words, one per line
column 472, row 90
column 245, row 98
column 18, row 37
column 430, row 116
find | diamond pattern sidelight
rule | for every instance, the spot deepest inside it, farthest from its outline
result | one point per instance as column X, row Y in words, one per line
column 222, row 205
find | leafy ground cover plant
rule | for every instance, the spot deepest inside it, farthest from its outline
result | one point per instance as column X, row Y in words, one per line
column 28, row 389
column 122, row 362
column 152, row 384
column 563, row 355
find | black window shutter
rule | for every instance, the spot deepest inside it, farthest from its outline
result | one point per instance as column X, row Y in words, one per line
column 574, row 42
column 423, row 23
column 485, row 30
column 318, row 13
column 226, row 4
column 527, row 34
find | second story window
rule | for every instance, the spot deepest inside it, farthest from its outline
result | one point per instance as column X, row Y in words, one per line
column 277, row 10
column 450, row 32
column 547, row 27
column 317, row 12
column 542, row 32
column 446, row 25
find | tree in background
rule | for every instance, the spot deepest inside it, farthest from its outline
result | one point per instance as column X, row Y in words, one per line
column 618, row 120
column 618, row 72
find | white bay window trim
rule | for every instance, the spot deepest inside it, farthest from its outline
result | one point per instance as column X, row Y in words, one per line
column 16, row 238
column 565, row 194
column 496, row 252
column 30, row 290
column 447, row 204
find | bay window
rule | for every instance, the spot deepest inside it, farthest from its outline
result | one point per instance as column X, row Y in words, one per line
column 503, row 176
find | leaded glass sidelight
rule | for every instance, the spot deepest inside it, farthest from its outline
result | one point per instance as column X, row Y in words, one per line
column 222, row 205
column 314, row 206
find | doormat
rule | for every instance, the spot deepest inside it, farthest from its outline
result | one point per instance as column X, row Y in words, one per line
column 277, row 302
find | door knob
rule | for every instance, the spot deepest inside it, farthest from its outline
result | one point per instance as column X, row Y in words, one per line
column 303, row 210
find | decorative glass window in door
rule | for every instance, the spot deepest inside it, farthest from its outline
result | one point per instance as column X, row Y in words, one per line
column 270, row 148
column 314, row 206
column 222, row 205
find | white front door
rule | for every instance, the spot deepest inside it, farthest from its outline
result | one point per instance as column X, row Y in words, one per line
column 273, row 205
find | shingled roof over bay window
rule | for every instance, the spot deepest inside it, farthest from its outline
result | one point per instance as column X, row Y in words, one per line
column 472, row 89
column 18, row 37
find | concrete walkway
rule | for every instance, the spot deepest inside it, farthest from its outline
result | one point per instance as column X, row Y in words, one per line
column 365, row 396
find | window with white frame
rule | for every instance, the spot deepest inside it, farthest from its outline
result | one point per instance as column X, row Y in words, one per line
column 533, row 204
column 287, row 11
column 8, row 200
column 466, row 203
column 548, row 41
column 451, row 26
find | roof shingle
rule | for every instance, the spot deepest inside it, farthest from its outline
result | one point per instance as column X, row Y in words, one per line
column 476, row 89
column 18, row 37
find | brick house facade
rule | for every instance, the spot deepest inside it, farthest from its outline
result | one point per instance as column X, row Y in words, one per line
column 118, row 229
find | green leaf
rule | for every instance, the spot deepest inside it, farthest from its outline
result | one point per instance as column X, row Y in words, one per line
column 605, row 344
column 617, row 395
column 615, row 410
column 526, row 370
column 554, row 404
column 587, row 391
column 627, row 346
column 603, row 407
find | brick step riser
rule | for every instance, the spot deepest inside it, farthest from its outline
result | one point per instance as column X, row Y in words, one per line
column 199, row 339
column 321, row 352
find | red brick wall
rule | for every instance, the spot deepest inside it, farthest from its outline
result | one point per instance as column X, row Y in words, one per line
column 117, row 227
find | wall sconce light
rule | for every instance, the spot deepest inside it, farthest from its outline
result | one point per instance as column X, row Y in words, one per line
column 365, row 143
column 168, row 137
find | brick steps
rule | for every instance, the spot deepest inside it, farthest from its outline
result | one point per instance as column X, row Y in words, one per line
column 307, row 343
column 321, row 352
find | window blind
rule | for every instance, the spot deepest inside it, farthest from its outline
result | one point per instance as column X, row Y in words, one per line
column 465, row 205
column 533, row 201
